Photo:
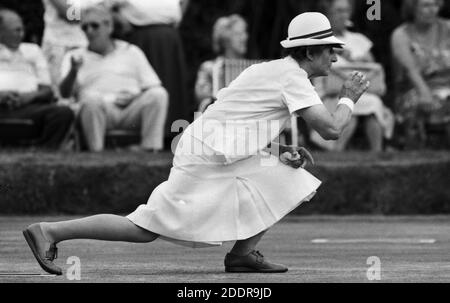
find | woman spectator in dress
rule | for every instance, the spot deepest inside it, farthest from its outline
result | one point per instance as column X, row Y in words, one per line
column 229, row 40
column 421, row 50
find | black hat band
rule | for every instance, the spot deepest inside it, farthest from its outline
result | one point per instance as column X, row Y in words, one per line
column 318, row 35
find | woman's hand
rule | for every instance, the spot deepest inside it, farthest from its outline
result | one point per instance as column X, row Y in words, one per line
column 295, row 157
column 76, row 63
column 354, row 86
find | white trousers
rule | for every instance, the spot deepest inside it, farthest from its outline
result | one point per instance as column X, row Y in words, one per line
column 146, row 114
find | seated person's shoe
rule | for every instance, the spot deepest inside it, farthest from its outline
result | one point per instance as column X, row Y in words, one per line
column 254, row 262
column 36, row 240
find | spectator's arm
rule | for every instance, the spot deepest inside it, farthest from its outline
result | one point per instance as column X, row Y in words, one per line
column 62, row 7
column 70, row 66
column 44, row 94
column 67, row 85
column 402, row 53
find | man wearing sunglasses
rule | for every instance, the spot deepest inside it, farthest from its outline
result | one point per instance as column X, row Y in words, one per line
column 115, row 85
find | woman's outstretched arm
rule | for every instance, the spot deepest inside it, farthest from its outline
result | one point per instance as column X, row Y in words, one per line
column 331, row 125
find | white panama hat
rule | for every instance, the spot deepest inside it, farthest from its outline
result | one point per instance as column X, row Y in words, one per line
column 309, row 29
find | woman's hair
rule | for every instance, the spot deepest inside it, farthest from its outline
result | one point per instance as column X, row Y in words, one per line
column 409, row 9
column 3, row 12
column 324, row 6
column 300, row 53
column 222, row 31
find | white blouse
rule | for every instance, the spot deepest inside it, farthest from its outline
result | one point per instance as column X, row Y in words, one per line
column 147, row 12
column 255, row 108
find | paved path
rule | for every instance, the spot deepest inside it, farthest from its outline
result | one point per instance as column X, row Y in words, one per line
column 411, row 249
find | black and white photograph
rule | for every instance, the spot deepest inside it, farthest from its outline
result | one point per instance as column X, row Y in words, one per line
column 224, row 148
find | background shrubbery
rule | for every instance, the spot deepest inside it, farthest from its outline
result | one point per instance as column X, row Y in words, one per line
column 353, row 183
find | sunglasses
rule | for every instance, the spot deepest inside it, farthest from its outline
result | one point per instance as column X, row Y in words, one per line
column 93, row 25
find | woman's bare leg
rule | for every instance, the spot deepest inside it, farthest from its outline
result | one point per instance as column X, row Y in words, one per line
column 100, row 227
column 374, row 132
column 244, row 247
column 41, row 237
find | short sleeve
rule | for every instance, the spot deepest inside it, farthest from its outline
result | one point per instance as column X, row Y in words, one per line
column 146, row 74
column 299, row 93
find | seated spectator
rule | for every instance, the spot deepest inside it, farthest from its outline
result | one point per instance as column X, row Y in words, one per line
column 25, row 91
column 229, row 41
column 421, row 49
column 115, row 84
column 377, row 119
column 62, row 32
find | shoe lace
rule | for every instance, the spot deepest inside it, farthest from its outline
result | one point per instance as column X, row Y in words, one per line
column 52, row 253
column 256, row 252
column 259, row 256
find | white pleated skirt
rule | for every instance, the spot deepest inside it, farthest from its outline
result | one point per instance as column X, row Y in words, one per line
column 205, row 203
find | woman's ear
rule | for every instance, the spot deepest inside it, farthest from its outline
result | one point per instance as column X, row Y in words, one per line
column 309, row 54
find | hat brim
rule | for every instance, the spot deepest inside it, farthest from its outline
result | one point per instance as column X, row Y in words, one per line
column 311, row 42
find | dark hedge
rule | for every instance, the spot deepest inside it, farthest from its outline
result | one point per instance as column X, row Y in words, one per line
column 353, row 183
